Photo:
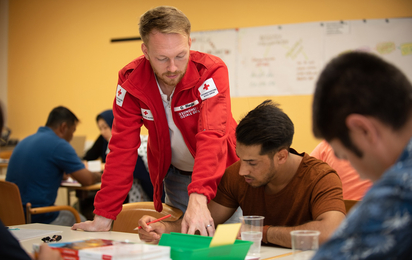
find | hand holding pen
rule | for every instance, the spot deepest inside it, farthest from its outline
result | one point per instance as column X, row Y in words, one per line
column 154, row 221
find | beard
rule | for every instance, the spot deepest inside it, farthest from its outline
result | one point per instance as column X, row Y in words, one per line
column 268, row 177
column 164, row 77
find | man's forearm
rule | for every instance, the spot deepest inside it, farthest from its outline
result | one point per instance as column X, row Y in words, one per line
column 281, row 235
column 198, row 199
column 97, row 177
column 173, row 226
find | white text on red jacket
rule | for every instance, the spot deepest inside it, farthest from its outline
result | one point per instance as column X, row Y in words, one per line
column 187, row 109
column 147, row 114
column 208, row 89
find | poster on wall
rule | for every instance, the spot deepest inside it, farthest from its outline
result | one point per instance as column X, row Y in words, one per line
column 282, row 60
column 278, row 60
column 391, row 39
column 222, row 44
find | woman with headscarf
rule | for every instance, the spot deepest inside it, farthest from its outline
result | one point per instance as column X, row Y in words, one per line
column 99, row 150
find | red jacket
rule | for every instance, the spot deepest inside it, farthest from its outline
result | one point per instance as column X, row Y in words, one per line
column 202, row 112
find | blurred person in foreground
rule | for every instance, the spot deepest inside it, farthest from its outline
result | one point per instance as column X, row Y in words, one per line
column 292, row 190
column 183, row 98
column 363, row 108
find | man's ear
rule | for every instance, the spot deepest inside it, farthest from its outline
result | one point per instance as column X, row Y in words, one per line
column 281, row 156
column 63, row 127
column 362, row 128
column 60, row 130
column 144, row 50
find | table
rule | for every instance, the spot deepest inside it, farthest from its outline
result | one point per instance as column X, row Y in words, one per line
column 267, row 252
column 72, row 235
column 5, row 155
column 272, row 252
column 3, row 170
column 70, row 187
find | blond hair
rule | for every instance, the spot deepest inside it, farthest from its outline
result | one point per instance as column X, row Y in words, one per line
column 165, row 19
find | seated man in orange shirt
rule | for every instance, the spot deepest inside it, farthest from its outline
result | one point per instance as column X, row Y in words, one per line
column 291, row 190
column 354, row 188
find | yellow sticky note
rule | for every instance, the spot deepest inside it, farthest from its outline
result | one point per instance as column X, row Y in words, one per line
column 225, row 234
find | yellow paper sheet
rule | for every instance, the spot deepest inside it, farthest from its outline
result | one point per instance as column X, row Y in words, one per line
column 225, row 234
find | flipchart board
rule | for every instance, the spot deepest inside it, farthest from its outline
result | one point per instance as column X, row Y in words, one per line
column 221, row 43
column 287, row 59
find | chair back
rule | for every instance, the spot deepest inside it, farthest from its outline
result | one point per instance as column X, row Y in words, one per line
column 40, row 210
column 349, row 204
column 11, row 208
column 128, row 218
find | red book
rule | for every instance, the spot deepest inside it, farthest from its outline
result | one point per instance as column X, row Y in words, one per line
column 71, row 249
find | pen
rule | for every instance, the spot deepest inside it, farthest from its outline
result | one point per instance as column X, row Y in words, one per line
column 154, row 221
column 13, row 228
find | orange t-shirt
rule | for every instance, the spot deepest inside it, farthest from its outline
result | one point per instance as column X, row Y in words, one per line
column 354, row 188
column 315, row 189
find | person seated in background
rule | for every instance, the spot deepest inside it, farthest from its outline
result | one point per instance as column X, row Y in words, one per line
column 291, row 190
column 39, row 161
column 362, row 107
column 354, row 188
column 99, row 150
column 10, row 247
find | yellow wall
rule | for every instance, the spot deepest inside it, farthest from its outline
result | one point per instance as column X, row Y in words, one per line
column 60, row 51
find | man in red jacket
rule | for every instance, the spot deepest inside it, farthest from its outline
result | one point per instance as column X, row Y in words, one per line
column 182, row 97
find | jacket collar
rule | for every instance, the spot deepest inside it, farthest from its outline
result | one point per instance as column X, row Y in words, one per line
column 141, row 80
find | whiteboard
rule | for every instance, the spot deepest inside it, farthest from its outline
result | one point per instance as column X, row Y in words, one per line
column 222, row 44
column 281, row 60
column 278, row 60
column 391, row 39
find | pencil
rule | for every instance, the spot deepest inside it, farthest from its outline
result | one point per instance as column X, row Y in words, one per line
column 154, row 221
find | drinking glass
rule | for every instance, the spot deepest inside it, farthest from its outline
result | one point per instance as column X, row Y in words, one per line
column 304, row 244
column 251, row 230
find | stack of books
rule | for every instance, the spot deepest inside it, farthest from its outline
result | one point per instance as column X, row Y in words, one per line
column 104, row 249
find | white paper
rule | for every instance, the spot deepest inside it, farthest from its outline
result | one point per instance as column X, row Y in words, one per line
column 23, row 233
column 94, row 166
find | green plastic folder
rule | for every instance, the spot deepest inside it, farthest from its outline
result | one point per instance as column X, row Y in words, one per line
column 191, row 247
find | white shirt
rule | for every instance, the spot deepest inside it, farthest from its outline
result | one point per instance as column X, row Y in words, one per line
column 181, row 156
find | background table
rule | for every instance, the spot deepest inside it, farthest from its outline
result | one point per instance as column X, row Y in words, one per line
column 267, row 252
column 70, row 187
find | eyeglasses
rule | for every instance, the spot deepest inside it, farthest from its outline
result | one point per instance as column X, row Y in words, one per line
column 54, row 238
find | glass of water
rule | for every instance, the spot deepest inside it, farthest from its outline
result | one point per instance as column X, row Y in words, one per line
column 304, row 243
column 251, row 230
